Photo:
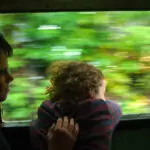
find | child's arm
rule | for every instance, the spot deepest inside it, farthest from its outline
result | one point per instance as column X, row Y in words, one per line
column 115, row 112
column 39, row 128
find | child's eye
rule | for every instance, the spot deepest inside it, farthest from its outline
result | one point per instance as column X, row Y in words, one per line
column 4, row 72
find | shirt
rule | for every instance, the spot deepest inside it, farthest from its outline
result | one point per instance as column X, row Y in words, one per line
column 96, row 118
column 3, row 143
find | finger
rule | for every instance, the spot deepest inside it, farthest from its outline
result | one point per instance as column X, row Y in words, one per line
column 65, row 122
column 59, row 123
column 71, row 125
column 76, row 131
column 53, row 126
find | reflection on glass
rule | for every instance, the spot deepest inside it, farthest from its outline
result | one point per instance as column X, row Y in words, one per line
column 116, row 42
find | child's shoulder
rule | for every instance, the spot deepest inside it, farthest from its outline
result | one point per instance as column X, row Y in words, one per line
column 98, row 103
column 47, row 105
column 93, row 106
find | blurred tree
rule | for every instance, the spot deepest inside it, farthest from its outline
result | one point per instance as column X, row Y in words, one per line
column 116, row 42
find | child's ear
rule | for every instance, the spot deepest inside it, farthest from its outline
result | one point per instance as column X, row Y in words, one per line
column 92, row 94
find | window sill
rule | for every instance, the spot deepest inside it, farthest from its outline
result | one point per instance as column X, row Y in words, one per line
column 133, row 121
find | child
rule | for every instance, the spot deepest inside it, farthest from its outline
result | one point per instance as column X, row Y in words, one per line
column 78, row 90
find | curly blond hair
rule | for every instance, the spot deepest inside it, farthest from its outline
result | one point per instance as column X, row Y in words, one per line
column 73, row 82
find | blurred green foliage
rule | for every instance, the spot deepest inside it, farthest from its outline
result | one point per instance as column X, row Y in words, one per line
column 118, row 43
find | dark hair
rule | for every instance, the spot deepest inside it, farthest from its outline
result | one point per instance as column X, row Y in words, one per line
column 5, row 46
column 73, row 82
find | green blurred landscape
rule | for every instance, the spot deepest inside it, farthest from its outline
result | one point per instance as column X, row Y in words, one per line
column 118, row 43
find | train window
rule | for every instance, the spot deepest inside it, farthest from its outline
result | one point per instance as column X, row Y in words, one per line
column 116, row 42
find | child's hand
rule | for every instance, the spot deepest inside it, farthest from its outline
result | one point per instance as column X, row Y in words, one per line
column 63, row 135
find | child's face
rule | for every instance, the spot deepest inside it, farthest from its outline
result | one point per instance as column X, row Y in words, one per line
column 102, row 89
column 5, row 77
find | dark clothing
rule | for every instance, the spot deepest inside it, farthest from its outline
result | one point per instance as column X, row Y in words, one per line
column 3, row 143
column 96, row 118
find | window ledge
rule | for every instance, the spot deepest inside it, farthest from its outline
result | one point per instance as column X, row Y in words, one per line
column 134, row 118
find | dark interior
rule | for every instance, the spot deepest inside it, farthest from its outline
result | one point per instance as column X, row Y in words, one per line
column 133, row 134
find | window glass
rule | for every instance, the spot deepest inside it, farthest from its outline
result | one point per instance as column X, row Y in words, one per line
column 116, row 42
